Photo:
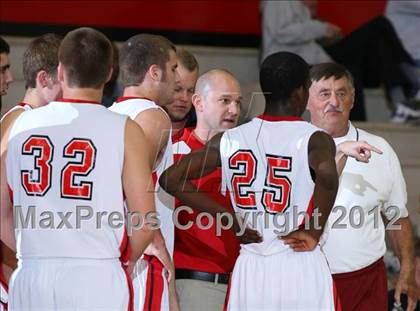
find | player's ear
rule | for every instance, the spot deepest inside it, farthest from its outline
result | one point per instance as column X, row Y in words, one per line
column 352, row 97
column 109, row 75
column 155, row 73
column 41, row 79
column 60, row 72
column 299, row 95
column 197, row 102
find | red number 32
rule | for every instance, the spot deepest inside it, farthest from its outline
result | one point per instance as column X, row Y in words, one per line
column 42, row 149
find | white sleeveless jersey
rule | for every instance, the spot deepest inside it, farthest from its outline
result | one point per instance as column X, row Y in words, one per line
column 23, row 106
column 164, row 202
column 64, row 168
column 265, row 166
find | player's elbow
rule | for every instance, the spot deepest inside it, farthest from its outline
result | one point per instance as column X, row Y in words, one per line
column 327, row 178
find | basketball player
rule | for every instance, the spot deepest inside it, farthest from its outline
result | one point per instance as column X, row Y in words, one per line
column 204, row 258
column 40, row 62
column 179, row 110
column 148, row 67
column 70, row 176
column 6, row 255
column 5, row 74
column 275, row 165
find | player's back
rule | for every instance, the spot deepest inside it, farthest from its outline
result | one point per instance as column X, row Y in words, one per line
column 165, row 203
column 64, row 166
column 265, row 165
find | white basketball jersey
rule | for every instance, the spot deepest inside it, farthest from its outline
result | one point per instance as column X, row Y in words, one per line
column 64, row 168
column 265, row 166
column 23, row 106
column 165, row 203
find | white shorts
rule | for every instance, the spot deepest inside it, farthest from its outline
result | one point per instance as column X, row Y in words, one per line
column 69, row 284
column 283, row 281
column 3, row 292
column 150, row 285
column 3, row 297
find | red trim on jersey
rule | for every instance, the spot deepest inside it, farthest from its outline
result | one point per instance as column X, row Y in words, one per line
column 9, row 189
column 125, row 251
column 77, row 101
column 3, row 281
column 267, row 117
column 225, row 307
column 130, row 290
column 123, row 98
column 154, row 179
column 309, row 210
column 23, row 104
column 154, row 284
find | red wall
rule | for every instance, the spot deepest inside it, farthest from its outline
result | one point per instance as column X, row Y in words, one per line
column 233, row 16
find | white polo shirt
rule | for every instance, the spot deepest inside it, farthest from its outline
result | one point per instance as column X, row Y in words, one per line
column 355, row 234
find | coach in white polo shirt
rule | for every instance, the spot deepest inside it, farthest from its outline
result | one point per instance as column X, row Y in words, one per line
column 355, row 236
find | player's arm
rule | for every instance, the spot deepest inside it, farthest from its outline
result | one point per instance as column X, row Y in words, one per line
column 321, row 158
column 6, row 209
column 360, row 150
column 7, row 122
column 138, row 186
column 155, row 125
column 7, row 233
column 176, row 180
column 403, row 244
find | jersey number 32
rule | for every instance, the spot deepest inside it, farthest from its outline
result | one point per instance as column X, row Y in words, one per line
column 42, row 149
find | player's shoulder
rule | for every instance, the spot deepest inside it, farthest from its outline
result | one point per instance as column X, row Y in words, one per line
column 247, row 127
column 156, row 116
column 11, row 115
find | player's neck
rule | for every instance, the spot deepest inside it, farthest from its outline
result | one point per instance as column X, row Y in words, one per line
column 281, row 111
column 204, row 133
column 87, row 94
column 178, row 126
column 33, row 99
column 141, row 91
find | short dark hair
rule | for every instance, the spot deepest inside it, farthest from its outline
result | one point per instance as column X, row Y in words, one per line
column 4, row 46
column 280, row 74
column 139, row 53
column 41, row 54
column 86, row 55
column 187, row 59
column 328, row 70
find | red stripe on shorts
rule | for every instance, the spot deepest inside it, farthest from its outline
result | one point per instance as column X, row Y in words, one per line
column 130, row 290
column 154, row 284
column 124, row 258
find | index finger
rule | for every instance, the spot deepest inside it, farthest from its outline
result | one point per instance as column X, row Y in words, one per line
column 368, row 146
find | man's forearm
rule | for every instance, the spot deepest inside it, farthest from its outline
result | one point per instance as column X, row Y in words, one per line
column 403, row 243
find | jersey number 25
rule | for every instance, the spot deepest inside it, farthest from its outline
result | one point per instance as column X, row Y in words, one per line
column 277, row 187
